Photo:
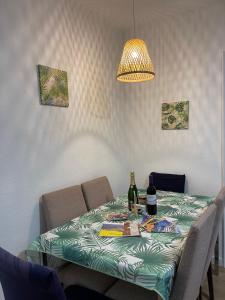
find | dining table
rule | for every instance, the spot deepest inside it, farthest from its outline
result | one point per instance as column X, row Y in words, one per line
column 149, row 260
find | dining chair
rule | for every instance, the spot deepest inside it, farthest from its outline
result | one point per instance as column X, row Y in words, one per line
column 168, row 182
column 190, row 269
column 59, row 207
column 22, row 280
column 97, row 192
column 220, row 203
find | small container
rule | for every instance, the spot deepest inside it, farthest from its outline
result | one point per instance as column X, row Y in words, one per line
column 142, row 199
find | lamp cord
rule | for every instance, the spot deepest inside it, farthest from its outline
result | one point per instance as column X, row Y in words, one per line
column 134, row 29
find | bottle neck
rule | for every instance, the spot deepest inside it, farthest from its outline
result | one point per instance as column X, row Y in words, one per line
column 132, row 179
column 151, row 180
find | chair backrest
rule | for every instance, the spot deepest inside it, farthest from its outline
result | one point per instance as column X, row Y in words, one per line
column 61, row 206
column 168, row 182
column 97, row 192
column 220, row 203
column 23, row 280
column 191, row 266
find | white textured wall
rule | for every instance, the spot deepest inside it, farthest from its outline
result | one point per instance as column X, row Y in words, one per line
column 44, row 148
column 187, row 54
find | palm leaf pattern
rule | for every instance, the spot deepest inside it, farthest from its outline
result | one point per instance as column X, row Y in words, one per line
column 148, row 261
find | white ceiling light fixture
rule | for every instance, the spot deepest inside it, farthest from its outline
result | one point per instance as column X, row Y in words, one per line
column 135, row 64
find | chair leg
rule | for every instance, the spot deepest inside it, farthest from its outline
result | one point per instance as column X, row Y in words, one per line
column 200, row 294
column 44, row 259
column 210, row 282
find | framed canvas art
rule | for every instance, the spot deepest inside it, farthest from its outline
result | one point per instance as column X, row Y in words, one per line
column 53, row 86
column 175, row 115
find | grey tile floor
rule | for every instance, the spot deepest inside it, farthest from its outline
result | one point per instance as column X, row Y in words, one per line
column 219, row 286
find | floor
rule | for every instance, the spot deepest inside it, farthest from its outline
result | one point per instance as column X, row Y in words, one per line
column 219, row 286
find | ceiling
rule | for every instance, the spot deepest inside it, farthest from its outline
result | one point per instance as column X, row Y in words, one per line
column 119, row 12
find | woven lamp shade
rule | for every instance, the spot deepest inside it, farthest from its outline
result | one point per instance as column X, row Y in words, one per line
column 135, row 64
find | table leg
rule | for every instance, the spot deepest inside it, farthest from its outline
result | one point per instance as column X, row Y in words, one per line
column 216, row 258
column 200, row 294
column 210, row 283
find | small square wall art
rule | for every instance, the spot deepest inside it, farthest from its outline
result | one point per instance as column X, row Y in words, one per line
column 175, row 115
column 53, row 86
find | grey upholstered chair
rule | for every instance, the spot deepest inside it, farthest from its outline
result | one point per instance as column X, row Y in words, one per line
column 97, row 192
column 220, row 203
column 57, row 208
column 191, row 266
column 60, row 206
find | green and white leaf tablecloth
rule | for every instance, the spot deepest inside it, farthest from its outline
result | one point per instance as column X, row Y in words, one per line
column 149, row 261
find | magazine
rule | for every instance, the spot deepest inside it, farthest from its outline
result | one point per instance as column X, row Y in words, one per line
column 154, row 224
column 123, row 216
column 110, row 229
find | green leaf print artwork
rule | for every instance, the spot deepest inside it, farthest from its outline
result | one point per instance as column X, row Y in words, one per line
column 175, row 115
column 53, row 86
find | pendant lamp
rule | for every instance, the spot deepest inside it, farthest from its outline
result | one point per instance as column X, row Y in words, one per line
column 135, row 64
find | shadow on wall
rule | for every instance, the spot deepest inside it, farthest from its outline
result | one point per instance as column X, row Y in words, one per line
column 181, row 53
column 71, row 45
column 94, row 103
column 44, row 147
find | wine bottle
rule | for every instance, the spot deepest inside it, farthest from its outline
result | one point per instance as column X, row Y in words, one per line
column 132, row 192
column 151, row 204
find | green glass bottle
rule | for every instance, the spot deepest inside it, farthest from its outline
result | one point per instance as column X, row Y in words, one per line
column 134, row 185
column 132, row 192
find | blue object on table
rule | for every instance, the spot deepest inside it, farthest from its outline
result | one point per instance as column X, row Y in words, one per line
column 22, row 280
column 168, row 182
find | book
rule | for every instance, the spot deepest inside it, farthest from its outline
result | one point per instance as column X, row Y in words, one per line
column 154, row 224
column 110, row 229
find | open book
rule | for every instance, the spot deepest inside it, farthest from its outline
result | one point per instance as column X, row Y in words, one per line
column 110, row 229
